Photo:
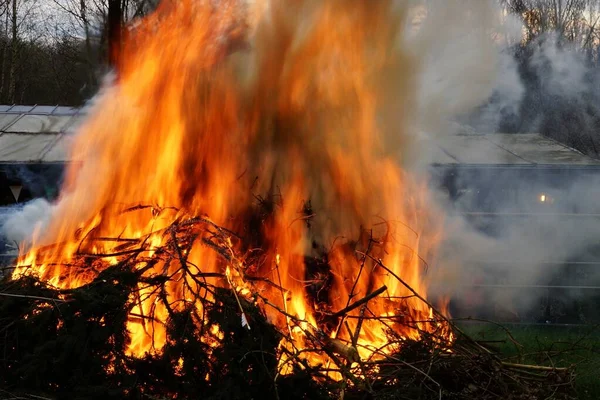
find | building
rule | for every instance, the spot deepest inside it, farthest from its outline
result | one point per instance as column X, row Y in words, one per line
column 528, row 185
column 33, row 153
column 33, row 150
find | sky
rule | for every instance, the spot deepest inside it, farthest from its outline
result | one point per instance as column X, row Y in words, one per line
column 49, row 18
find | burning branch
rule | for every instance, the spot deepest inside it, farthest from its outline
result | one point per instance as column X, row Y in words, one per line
column 203, row 328
column 360, row 302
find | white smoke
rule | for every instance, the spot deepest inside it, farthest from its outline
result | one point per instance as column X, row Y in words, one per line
column 459, row 44
column 562, row 70
column 470, row 82
column 20, row 226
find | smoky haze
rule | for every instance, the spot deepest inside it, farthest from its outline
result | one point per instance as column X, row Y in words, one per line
column 478, row 77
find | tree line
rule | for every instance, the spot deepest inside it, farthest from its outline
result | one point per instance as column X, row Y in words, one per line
column 56, row 51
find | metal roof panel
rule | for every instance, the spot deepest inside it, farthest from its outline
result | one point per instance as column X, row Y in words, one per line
column 475, row 149
column 60, row 110
column 59, row 152
column 43, row 109
column 7, row 119
column 39, row 124
column 539, row 149
column 20, row 109
column 19, row 147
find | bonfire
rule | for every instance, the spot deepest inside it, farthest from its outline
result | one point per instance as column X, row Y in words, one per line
column 241, row 223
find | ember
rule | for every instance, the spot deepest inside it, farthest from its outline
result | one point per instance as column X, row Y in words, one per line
column 241, row 213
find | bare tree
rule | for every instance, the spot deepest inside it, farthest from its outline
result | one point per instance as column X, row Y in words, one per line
column 21, row 21
column 114, row 28
column 14, row 48
column 101, row 23
column 573, row 20
column 6, row 5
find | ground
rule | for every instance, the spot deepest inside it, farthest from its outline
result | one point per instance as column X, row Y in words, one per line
column 561, row 346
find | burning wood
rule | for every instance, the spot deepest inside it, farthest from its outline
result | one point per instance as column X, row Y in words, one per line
column 220, row 337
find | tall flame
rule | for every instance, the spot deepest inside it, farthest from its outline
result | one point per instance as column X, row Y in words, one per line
column 215, row 102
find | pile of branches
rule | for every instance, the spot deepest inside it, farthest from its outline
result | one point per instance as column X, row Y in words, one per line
column 72, row 343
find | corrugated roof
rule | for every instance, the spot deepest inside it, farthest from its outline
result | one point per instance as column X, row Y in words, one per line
column 506, row 149
column 40, row 134
column 50, row 110
column 36, row 133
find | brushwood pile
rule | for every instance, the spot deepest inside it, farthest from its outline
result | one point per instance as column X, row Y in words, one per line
column 72, row 344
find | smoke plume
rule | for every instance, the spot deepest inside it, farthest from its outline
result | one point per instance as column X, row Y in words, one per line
column 473, row 82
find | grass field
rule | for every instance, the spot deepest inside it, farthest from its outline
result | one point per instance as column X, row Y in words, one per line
column 559, row 346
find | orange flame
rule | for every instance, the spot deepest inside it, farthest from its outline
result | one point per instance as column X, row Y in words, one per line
column 307, row 100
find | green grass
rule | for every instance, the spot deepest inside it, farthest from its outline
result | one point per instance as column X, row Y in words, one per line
column 547, row 345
